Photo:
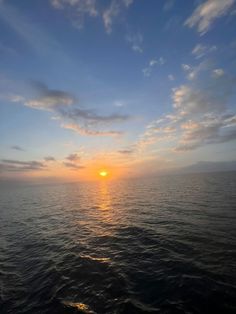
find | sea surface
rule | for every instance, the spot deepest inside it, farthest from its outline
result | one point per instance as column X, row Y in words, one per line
column 155, row 245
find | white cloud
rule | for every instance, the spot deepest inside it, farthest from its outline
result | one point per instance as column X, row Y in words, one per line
column 200, row 116
column 217, row 73
column 171, row 77
column 77, row 10
column 206, row 13
column 186, row 67
column 136, row 41
column 109, row 14
column 194, row 71
column 89, row 132
column 200, row 50
column 153, row 63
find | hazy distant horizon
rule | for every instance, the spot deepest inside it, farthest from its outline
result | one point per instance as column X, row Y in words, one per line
column 198, row 168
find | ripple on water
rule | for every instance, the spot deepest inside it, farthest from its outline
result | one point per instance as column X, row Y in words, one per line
column 147, row 246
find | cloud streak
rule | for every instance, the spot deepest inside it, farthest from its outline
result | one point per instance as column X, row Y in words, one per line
column 64, row 106
column 16, row 147
column 206, row 13
column 72, row 165
column 10, row 165
column 77, row 10
column 136, row 41
column 153, row 63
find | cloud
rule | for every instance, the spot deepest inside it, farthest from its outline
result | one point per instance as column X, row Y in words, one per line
column 9, row 165
column 49, row 158
column 127, row 3
column 49, row 99
column 194, row 99
column 194, row 71
column 65, row 109
column 73, row 157
column 211, row 130
column 16, row 147
column 206, row 13
column 168, row 5
column 171, row 77
column 72, row 165
column 77, row 10
column 109, row 14
column 200, row 50
column 153, row 63
column 136, row 42
column 126, row 151
column 114, row 9
column 200, row 115
column 90, row 116
column 88, row 132
column 217, row 73
column 72, row 161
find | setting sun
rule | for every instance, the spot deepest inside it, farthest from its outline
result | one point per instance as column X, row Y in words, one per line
column 103, row 173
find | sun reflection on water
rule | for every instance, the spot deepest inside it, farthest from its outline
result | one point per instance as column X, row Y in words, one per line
column 104, row 196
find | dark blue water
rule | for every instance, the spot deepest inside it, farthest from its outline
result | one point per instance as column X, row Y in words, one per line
column 164, row 245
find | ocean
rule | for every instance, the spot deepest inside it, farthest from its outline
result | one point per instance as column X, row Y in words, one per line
column 154, row 245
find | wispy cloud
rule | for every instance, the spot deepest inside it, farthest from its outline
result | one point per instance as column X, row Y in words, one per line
column 200, row 50
column 194, row 71
column 113, row 11
column 168, row 5
column 217, row 73
column 64, row 107
column 153, row 63
column 200, row 115
column 73, row 161
column 72, row 165
column 9, row 165
column 49, row 158
column 89, row 132
column 91, row 116
column 32, row 34
column 16, row 147
column 49, row 99
column 77, row 10
column 206, row 13
column 126, row 151
column 109, row 14
column 171, row 77
column 73, row 157
column 136, row 41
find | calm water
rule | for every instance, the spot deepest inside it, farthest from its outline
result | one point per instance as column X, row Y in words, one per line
column 165, row 245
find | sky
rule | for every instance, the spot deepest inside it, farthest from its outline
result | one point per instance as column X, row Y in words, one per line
column 133, row 87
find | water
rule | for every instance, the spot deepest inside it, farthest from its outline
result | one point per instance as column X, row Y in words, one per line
column 163, row 245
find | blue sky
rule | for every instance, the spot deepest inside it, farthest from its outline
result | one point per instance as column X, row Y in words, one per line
column 139, row 86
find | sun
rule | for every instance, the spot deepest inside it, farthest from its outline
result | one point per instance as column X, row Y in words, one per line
column 103, row 173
